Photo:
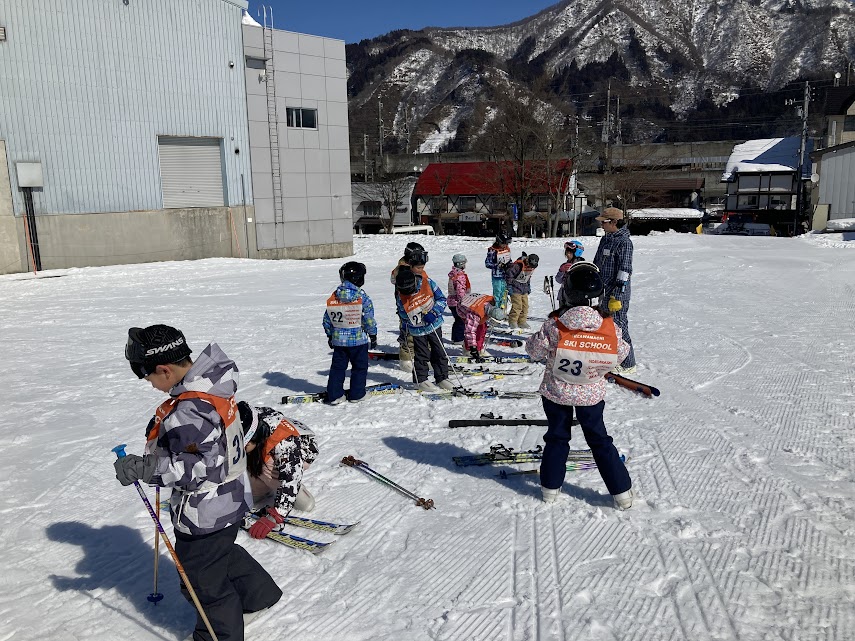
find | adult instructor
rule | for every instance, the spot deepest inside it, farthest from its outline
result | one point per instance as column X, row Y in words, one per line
column 614, row 260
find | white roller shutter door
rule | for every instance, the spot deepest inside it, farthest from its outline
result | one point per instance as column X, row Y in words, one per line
column 191, row 172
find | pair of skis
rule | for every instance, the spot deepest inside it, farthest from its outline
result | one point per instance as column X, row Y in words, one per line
column 489, row 419
column 298, row 542
column 508, row 456
column 572, row 466
column 320, row 397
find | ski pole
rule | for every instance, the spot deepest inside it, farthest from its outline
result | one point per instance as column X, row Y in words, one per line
column 156, row 596
column 350, row 461
column 448, row 358
column 552, row 291
column 120, row 453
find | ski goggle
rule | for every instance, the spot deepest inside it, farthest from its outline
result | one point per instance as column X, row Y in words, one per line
column 576, row 248
column 135, row 353
column 418, row 257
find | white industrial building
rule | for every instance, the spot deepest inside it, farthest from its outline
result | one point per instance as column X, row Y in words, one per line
column 138, row 131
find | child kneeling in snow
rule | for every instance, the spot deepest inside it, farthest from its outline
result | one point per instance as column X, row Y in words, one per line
column 476, row 310
column 580, row 345
column 278, row 451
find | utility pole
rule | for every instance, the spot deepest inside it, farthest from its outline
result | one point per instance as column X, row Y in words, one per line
column 618, row 139
column 407, row 129
column 365, row 157
column 380, row 118
column 799, row 185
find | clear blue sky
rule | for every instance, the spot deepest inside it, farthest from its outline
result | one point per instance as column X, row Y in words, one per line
column 353, row 20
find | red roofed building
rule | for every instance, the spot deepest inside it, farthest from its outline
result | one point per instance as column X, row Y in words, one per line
column 469, row 197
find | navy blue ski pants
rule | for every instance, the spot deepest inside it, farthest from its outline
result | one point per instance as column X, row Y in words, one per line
column 357, row 356
column 459, row 327
column 557, row 446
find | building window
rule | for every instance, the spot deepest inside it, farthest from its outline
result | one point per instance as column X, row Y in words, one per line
column 466, row 203
column 747, row 202
column 749, row 182
column 782, row 182
column 302, row 118
column 371, row 208
column 849, row 123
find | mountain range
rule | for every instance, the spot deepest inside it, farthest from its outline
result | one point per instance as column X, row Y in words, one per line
column 627, row 70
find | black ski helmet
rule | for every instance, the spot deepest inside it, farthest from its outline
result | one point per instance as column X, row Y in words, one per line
column 155, row 345
column 415, row 255
column 582, row 284
column 405, row 281
column 532, row 260
column 502, row 238
column 353, row 272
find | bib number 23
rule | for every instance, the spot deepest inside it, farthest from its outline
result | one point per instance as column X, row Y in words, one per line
column 567, row 366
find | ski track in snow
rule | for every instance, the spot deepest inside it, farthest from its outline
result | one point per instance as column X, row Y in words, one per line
column 744, row 467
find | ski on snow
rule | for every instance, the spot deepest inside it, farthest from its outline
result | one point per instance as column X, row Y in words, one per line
column 507, row 455
column 574, row 466
column 319, row 397
column 291, row 540
column 320, row 526
column 489, row 419
column 393, row 356
column 639, row 388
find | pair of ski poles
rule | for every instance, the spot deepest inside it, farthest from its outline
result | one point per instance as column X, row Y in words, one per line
column 159, row 533
column 362, row 466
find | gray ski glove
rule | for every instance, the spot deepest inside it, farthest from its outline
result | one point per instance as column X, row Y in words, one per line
column 132, row 468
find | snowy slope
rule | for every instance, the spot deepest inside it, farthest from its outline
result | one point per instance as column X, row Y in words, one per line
column 745, row 464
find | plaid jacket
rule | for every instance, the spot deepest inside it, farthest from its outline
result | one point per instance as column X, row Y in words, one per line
column 347, row 337
column 615, row 255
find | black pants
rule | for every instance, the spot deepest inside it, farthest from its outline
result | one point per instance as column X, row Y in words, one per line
column 227, row 580
column 557, row 446
column 459, row 327
column 429, row 349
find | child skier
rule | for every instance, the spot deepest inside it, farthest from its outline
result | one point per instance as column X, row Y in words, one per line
column 195, row 446
column 458, row 287
column 278, row 450
column 415, row 257
column 497, row 260
column 580, row 344
column 420, row 304
column 518, row 277
column 475, row 310
column 350, row 328
column 572, row 254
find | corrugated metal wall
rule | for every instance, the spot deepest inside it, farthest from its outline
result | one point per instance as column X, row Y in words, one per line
column 87, row 86
column 837, row 183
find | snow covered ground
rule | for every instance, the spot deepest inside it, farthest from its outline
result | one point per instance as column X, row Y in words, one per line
column 745, row 464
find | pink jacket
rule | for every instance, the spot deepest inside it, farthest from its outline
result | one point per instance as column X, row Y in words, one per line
column 542, row 346
column 458, row 286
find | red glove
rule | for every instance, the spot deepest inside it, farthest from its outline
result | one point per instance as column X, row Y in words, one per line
column 263, row 526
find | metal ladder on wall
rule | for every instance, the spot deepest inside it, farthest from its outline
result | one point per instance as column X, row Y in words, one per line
column 272, row 116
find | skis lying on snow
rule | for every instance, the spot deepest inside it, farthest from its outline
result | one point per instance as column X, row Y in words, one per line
column 318, row 397
column 574, row 466
column 523, row 358
column 640, row 388
column 393, row 356
column 481, row 370
column 299, row 542
column 505, row 341
column 467, row 393
column 320, row 526
column 284, row 538
column 511, row 335
column 362, row 466
column 489, row 419
column 507, row 455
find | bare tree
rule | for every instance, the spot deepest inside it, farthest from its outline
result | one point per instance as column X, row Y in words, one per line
column 391, row 191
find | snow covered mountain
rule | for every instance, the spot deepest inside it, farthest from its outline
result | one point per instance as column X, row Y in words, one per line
column 665, row 58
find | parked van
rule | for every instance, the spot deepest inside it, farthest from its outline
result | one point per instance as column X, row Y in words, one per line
column 414, row 229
